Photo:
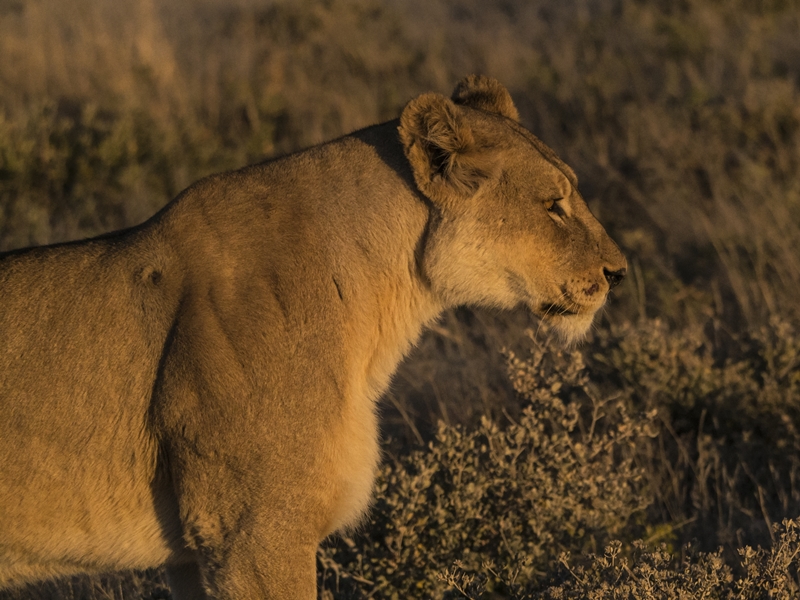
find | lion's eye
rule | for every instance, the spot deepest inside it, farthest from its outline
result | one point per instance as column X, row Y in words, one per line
column 553, row 206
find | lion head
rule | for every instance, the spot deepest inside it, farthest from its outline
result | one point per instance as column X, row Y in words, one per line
column 509, row 225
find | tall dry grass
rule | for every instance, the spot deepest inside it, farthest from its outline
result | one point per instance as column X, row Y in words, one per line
column 682, row 119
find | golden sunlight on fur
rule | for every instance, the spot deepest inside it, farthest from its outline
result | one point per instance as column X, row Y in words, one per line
column 199, row 391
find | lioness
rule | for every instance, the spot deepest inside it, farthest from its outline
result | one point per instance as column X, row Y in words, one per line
column 199, row 391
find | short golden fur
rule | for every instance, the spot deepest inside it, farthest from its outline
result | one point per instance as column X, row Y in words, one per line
column 199, row 391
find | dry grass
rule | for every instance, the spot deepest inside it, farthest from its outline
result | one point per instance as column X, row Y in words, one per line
column 683, row 122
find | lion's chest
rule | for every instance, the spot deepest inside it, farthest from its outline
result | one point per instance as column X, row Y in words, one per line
column 352, row 455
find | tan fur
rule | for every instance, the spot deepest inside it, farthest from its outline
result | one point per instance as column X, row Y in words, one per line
column 199, row 391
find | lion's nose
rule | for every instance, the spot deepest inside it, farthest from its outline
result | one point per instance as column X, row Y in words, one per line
column 614, row 278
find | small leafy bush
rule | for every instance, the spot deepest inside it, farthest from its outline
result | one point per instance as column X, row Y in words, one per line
column 643, row 573
column 728, row 447
column 663, row 436
column 560, row 477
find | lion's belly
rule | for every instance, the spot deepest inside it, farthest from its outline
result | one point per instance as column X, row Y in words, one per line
column 79, row 514
column 110, row 540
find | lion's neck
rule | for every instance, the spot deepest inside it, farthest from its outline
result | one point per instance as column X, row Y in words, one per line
column 397, row 326
column 394, row 308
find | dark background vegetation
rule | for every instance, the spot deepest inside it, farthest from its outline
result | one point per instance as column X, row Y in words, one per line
column 658, row 460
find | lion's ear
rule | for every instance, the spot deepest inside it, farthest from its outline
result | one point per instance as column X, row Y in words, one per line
column 447, row 161
column 485, row 93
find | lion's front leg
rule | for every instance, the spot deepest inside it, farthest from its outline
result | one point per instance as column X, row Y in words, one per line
column 286, row 576
column 253, row 566
column 247, row 545
column 252, row 520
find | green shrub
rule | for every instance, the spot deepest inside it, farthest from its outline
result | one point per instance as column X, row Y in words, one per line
column 73, row 170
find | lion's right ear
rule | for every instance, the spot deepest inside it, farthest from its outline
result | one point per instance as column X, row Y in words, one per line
column 485, row 93
column 448, row 163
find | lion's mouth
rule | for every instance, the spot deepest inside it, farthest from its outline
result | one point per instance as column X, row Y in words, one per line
column 550, row 309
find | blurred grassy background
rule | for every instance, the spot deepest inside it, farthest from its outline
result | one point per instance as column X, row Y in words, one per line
column 681, row 118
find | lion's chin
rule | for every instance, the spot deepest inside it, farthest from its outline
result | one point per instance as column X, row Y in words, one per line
column 570, row 328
